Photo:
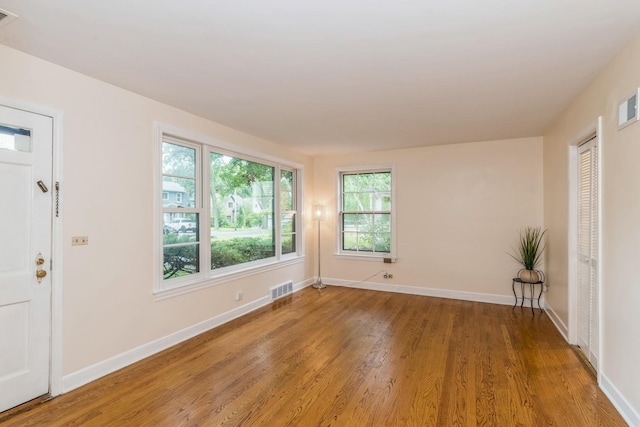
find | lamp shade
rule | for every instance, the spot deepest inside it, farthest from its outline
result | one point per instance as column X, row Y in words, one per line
column 318, row 211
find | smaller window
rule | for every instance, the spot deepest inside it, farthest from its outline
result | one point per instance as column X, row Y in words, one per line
column 179, row 197
column 165, row 195
column 288, row 211
column 366, row 207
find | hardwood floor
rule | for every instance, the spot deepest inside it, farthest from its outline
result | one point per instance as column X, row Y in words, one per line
column 349, row 357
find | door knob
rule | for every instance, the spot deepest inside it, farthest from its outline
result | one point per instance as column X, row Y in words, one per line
column 40, row 273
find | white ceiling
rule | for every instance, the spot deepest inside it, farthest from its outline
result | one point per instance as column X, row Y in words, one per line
column 340, row 75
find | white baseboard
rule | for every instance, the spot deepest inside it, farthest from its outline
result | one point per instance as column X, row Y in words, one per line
column 108, row 366
column 627, row 411
column 560, row 326
column 429, row 292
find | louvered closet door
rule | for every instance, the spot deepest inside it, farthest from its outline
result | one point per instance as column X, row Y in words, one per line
column 588, row 250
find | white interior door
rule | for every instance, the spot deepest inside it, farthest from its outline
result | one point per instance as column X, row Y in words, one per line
column 588, row 314
column 26, row 143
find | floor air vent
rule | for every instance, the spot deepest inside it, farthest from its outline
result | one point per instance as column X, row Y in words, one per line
column 281, row 290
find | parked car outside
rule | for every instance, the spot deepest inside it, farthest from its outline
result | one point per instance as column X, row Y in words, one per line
column 182, row 225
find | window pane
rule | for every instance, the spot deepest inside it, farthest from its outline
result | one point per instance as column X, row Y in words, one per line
column 288, row 245
column 178, row 160
column 383, row 242
column 350, row 183
column 15, row 139
column 238, row 250
column 242, row 211
column 383, row 181
column 286, row 190
column 349, row 222
column 385, row 201
column 181, row 223
column 350, row 202
column 180, row 261
column 365, row 202
column 178, row 192
column 350, row 241
column 364, row 222
column 383, row 223
column 288, row 222
column 365, row 242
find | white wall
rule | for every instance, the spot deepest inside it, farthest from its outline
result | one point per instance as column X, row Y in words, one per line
column 107, row 188
column 459, row 209
column 620, row 288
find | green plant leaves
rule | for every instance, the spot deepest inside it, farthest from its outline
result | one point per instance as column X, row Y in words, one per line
column 530, row 248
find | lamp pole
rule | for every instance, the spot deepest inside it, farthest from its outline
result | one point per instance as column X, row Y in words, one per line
column 318, row 213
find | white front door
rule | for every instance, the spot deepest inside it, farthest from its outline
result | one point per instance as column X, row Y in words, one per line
column 588, row 313
column 26, row 144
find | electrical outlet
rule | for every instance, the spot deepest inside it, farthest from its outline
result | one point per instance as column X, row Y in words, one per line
column 79, row 240
column 239, row 296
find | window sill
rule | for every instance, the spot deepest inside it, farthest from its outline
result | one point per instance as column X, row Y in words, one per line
column 216, row 279
column 374, row 258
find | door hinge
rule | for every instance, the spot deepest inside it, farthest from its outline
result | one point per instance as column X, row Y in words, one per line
column 57, row 199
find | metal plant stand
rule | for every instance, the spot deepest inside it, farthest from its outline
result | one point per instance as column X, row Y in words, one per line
column 532, row 289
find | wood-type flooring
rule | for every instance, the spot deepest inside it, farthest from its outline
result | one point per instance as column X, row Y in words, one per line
column 350, row 357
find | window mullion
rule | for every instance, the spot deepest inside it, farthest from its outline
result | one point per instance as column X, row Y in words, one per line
column 205, row 231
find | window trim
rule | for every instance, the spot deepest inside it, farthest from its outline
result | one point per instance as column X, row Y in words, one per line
column 206, row 277
column 364, row 256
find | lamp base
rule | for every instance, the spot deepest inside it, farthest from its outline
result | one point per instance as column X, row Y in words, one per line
column 319, row 284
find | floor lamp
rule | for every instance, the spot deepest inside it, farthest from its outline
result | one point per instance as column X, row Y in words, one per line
column 318, row 215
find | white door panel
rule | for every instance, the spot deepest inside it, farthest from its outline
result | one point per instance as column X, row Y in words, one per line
column 25, row 232
column 588, row 314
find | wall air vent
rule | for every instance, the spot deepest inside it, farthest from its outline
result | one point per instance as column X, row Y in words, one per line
column 6, row 17
column 281, row 291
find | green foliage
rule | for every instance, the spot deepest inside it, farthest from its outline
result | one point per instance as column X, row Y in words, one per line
column 240, row 250
column 239, row 175
column 530, row 247
column 229, row 176
column 182, row 260
column 179, row 260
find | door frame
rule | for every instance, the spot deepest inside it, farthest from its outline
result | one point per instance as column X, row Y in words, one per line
column 55, row 357
column 593, row 130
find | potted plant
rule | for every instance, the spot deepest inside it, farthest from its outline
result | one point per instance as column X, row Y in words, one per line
column 529, row 253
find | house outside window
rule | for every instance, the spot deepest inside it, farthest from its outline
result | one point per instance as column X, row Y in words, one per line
column 366, row 226
column 225, row 213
